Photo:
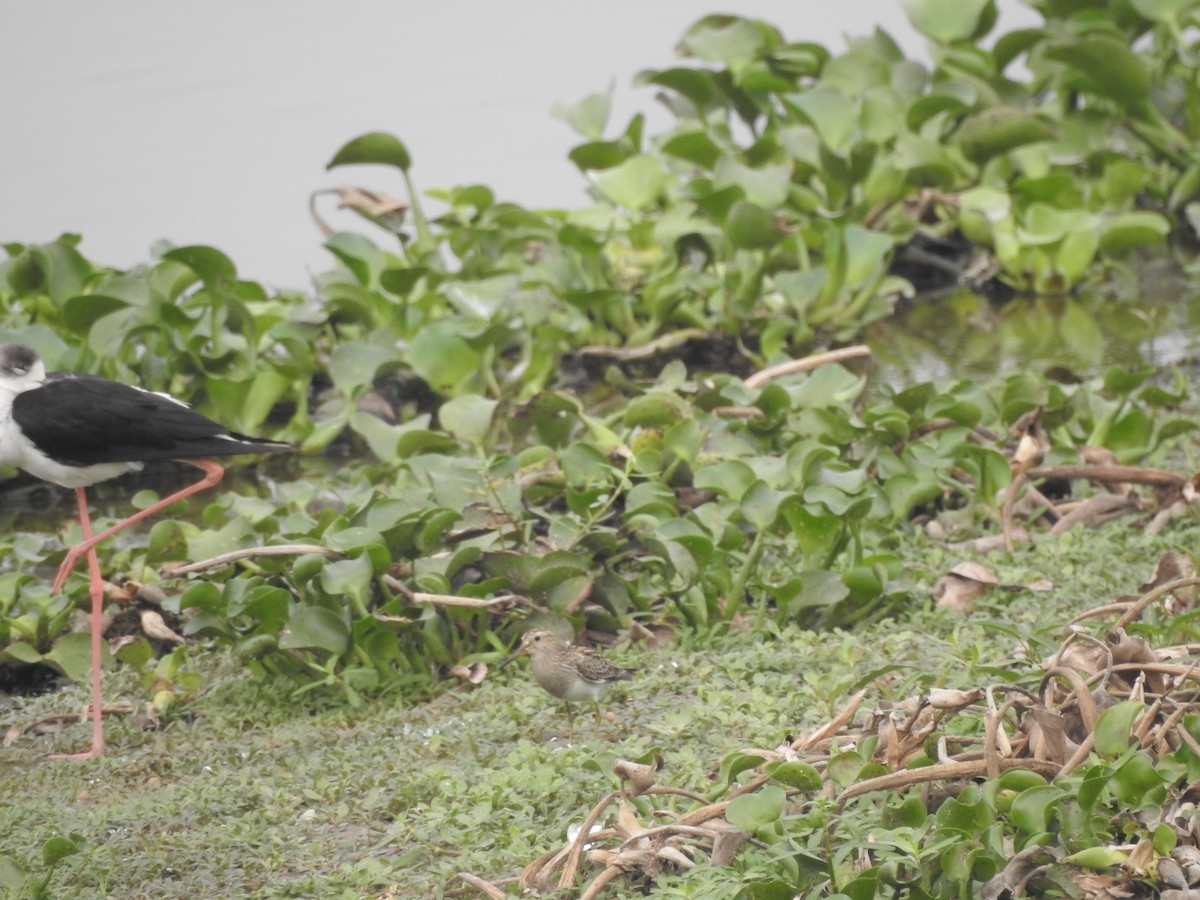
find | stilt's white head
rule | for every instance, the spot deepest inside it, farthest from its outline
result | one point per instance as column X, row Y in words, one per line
column 21, row 369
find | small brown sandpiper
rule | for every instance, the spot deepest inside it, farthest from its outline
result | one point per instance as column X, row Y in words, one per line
column 568, row 671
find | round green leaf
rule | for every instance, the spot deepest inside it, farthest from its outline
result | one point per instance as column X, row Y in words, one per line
column 57, row 849
column 1133, row 229
column 72, row 655
column 1098, row 858
column 795, row 774
column 1107, row 65
column 589, row 115
column 752, row 227
column 948, row 21
column 1114, row 726
column 468, row 418
column 999, row 129
column 636, row 183
column 317, row 628
column 760, row 505
column 441, row 357
column 1031, row 810
column 657, row 409
column 750, row 812
column 213, row 266
column 374, row 147
column 79, row 313
column 353, row 365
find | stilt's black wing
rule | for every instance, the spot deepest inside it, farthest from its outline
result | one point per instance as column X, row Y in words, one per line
column 81, row 420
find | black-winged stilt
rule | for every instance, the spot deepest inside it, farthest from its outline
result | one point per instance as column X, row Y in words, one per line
column 75, row 430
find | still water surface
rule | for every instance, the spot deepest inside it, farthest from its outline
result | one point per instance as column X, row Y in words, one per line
column 1147, row 313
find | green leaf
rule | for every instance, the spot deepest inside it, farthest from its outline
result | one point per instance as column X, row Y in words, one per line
column 845, row 768
column 21, row 652
column 950, row 21
column 1114, row 727
column 353, row 366
column 348, row 576
column 752, row 227
column 58, row 848
column 697, row 85
column 727, row 39
column 1107, row 65
column 359, row 254
column 1032, row 809
column 760, row 505
column 731, row 478
column 795, row 774
column 265, row 391
column 1092, row 787
column 694, row 146
column 468, row 418
column 440, row 356
column 765, row 185
column 999, row 129
column 1137, row 781
column 256, row 646
column 866, row 254
column 968, row 812
column 72, row 655
column 831, row 113
column 1128, row 230
column 636, row 183
column 1164, row 12
column 589, row 115
column 377, row 147
column 317, row 628
column 750, row 812
column 80, row 313
column 656, row 409
column 56, row 268
column 215, row 269
column 1098, row 858
column 735, row 763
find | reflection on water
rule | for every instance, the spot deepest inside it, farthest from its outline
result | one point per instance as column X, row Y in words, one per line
column 1151, row 319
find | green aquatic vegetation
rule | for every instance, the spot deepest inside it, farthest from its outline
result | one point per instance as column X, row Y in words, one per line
column 579, row 414
column 556, row 405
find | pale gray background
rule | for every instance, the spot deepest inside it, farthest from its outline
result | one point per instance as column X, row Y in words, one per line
column 134, row 120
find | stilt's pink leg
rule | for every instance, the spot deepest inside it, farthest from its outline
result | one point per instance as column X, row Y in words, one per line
column 97, row 594
column 213, row 473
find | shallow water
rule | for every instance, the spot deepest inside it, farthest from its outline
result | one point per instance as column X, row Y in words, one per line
column 1150, row 315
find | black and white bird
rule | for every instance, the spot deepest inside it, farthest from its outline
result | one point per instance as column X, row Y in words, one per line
column 75, row 430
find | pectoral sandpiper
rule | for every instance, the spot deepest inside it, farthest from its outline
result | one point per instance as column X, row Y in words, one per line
column 568, row 671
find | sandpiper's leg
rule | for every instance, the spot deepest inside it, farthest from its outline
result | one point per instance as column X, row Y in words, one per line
column 213, row 472
column 96, row 590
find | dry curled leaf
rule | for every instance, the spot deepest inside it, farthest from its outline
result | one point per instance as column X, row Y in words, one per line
column 475, row 673
column 945, row 698
column 638, row 776
column 959, row 587
column 1033, row 442
column 379, row 208
column 155, row 627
